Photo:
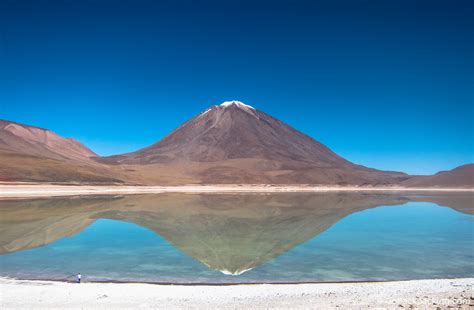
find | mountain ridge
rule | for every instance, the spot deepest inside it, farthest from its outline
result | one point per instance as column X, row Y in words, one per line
column 35, row 154
column 39, row 141
column 231, row 143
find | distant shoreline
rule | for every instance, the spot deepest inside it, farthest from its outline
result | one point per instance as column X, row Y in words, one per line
column 388, row 295
column 9, row 190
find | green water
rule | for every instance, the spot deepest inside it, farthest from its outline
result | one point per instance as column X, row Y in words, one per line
column 222, row 238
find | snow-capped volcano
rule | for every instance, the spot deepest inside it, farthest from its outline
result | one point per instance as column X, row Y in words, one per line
column 233, row 142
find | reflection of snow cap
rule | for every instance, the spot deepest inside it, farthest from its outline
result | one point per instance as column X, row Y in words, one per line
column 236, row 273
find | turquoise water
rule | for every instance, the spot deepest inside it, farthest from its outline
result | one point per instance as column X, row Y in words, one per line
column 319, row 238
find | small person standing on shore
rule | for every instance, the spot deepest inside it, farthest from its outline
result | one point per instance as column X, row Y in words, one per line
column 79, row 277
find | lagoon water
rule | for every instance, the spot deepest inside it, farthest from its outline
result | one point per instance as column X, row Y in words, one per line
column 224, row 238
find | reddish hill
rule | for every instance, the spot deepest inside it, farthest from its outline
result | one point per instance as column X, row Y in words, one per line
column 33, row 154
column 30, row 140
column 462, row 176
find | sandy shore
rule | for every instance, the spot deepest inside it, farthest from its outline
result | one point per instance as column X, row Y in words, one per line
column 422, row 294
column 44, row 190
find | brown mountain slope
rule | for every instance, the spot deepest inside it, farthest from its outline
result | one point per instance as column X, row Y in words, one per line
column 30, row 140
column 17, row 167
column 235, row 143
column 462, row 176
column 34, row 154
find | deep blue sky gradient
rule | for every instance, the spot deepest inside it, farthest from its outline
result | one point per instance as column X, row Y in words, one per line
column 387, row 84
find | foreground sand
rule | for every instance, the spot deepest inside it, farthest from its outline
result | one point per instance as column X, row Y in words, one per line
column 46, row 190
column 422, row 294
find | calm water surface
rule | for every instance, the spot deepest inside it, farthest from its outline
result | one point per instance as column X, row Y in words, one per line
column 222, row 238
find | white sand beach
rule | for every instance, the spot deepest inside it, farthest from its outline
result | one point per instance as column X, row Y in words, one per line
column 48, row 190
column 421, row 294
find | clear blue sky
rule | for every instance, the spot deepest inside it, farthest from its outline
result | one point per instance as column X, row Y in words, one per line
column 387, row 84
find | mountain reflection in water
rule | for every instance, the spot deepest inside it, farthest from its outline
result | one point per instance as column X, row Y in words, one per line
column 231, row 233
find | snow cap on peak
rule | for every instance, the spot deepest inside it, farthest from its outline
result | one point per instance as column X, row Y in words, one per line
column 237, row 103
